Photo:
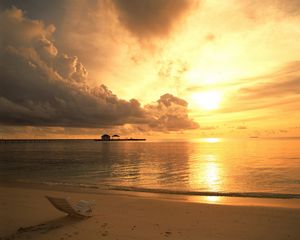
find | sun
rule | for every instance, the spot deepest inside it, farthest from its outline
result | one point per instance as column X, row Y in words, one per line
column 207, row 100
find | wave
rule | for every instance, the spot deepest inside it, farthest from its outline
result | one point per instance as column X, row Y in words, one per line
column 168, row 191
column 208, row 193
column 62, row 184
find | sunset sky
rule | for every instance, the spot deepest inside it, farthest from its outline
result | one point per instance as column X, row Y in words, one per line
column 153, row 68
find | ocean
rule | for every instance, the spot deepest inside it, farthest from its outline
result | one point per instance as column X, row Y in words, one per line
column 211, row 167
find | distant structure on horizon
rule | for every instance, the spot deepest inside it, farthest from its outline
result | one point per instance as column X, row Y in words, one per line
column 106, row 137
column 115, row 136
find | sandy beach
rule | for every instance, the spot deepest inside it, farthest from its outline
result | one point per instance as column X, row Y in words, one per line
column 26, row 214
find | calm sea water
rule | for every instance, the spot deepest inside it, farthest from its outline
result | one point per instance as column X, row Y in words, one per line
column 265, row 167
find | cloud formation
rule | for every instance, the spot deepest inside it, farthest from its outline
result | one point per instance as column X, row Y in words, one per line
column 40, row 86
column 285, row 82
column 258, row 9
column 170, row 113
column 150, row 18
column 274, row 91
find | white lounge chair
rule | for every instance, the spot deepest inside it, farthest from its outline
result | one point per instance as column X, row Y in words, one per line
column 82, row 209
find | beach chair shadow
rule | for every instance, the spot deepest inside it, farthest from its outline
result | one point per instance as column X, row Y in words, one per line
column 43, row 228
column 76, row 213
column 83, row 209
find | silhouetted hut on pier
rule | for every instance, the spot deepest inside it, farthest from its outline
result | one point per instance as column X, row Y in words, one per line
column 105, row 137
column 115, row 136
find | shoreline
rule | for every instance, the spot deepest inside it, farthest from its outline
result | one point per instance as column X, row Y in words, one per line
column 26, row 214
column 162, row 195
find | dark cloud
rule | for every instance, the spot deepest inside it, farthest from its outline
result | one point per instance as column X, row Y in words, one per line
column 256, row 9
column 39, row 86
column 291, row 7
column 50, row 11
column 170, row 113
column 150, row 18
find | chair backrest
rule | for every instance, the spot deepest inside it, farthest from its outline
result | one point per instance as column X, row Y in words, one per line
column 63, row 205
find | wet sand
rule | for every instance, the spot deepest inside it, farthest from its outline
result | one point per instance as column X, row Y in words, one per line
column 27, row 214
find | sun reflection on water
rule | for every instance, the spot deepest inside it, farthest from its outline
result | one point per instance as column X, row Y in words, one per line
column 206, row 173
column 211, row 175
column 212, row 199
column 211, row 172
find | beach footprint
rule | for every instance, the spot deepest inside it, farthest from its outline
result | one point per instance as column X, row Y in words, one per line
column 133, row 227
column 168, row 234
column 105, row 233
column 104, row 225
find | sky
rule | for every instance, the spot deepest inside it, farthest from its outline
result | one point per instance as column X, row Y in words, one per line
column 153, row 68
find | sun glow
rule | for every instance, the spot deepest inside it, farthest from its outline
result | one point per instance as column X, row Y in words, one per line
column 211, row 140
column 208, row 100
